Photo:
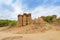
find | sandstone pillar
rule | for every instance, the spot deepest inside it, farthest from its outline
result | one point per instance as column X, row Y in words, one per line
column 24, row 19
column 20, row 20
column 29, row 19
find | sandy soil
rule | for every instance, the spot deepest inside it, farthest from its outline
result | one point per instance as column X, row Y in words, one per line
column 36, row 32
column 48, row 35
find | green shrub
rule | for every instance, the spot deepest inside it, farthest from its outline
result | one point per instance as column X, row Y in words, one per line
column 7, row 23
column 13, row 23
column 48, row 18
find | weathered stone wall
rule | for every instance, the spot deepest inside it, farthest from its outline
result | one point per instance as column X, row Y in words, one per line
column 24, row 19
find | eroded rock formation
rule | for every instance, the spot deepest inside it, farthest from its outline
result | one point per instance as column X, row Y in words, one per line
column 24, row 19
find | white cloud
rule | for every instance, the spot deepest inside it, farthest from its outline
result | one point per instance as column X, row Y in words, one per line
column 6, row 1
column 6, row 14
column 19, row 9
column 44, row 11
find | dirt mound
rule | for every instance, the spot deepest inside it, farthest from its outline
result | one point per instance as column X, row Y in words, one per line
column 38, row 26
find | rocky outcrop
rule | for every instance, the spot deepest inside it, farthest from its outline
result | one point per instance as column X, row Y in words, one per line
column 24, row 19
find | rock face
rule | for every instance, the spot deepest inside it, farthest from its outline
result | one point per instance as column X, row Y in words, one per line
column 20, row 20
column 24, row 19
column 54, row 18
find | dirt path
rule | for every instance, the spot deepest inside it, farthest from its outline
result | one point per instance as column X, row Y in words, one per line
column 49, row 35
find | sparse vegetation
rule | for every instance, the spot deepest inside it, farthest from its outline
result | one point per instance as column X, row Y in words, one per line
column 7, row 23
column 48, row 18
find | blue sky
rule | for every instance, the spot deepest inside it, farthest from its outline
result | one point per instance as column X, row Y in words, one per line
column 9, row 9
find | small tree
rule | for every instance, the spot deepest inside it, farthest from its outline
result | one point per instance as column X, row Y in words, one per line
column 48, row 18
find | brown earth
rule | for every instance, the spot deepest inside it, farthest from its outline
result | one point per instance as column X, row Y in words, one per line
column 48, row 35
column 37, row 31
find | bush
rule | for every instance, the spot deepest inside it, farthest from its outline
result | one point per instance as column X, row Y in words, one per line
column 13, row 23
column 48, row 18
column 7, row 23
